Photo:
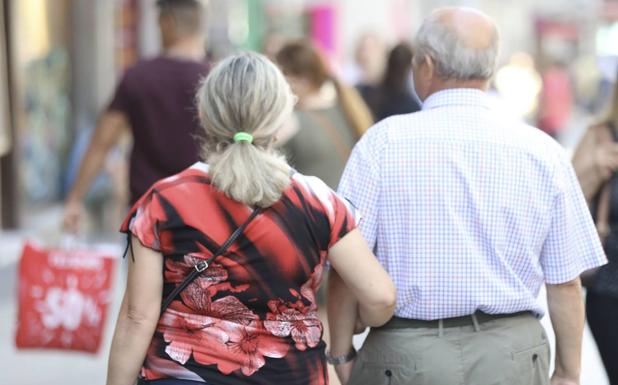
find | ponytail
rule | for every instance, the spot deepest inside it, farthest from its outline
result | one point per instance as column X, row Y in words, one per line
column 249, row 174
column 245, row 94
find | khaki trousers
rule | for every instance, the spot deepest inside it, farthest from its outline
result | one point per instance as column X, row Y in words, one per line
column 502, row 351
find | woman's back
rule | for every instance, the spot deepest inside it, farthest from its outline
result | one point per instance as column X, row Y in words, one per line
column 247, row 314
column 322, row 145
column 251, row 317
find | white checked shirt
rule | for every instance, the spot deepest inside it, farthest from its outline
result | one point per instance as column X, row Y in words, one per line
column 468, row 210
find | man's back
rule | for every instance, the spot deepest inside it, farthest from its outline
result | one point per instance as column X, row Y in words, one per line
column 461, row 205
column 157, row 96
column 471, row 214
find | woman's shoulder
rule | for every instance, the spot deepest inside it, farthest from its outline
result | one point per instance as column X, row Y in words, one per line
column 311, row 184
column 314, row 190
column 316, row 195
column 602, row 131
column 176, row 191
column 197, row 174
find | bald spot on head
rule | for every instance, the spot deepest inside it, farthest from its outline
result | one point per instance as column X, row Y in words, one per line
column 474, row 29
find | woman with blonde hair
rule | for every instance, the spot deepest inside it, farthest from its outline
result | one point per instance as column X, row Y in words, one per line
column 227, row 255
column 596, row 164
column 330, row 117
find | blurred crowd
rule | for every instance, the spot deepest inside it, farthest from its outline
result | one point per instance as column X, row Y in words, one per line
column 337, row 103
column 151, row 129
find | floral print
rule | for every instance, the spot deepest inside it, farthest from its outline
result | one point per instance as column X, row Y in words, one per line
column 251, row 317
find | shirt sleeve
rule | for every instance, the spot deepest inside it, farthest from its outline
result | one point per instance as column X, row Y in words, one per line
column 572, row 245
column 360, row 185
column 143, row 220
column 344, row 219
column 122, row 96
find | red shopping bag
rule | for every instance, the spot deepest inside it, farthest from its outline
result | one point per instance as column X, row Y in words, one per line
column 63, row 298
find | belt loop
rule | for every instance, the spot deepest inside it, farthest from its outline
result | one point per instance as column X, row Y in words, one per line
column 440, row 328
column 475, row 322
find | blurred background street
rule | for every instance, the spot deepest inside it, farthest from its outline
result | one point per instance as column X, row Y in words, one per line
column 60, row 61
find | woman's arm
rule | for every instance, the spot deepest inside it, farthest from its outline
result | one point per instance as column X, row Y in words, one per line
column 342, row 315
column 139, row 314
column 365, row 277
column 594, row 162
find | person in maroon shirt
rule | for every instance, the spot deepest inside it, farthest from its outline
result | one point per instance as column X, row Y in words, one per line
column 154, row 100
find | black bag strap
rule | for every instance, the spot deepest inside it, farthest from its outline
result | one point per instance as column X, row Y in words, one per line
column 203, row 265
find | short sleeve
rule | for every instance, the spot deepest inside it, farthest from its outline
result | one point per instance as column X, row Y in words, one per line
column 143, row 220
column 572, row 245
column 344, row 219
column 122, row 96
column 333, row 217
column 360, row 186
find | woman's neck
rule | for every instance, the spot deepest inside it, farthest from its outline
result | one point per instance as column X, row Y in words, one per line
column 323, row 97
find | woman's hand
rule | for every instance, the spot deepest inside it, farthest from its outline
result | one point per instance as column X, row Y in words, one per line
column 607, row 159
column 344, row 371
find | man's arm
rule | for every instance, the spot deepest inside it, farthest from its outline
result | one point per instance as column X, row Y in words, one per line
column 566, row 310
column 107, row 133
column 342, row 316
column 571, row 247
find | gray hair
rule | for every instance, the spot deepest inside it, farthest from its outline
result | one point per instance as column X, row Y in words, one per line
column 453, row 58
column 245, row 93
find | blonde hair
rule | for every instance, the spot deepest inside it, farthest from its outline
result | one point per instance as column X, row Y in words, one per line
column 245, row 93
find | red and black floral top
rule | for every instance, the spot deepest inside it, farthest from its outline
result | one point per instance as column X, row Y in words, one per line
column 251, row 317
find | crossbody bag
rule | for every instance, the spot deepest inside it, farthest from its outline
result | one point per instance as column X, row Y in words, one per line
column 201, row 266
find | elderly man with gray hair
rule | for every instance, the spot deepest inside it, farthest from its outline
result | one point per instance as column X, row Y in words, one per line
column 471, row 213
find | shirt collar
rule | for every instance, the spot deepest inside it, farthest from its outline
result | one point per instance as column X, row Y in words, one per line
column 456, row 97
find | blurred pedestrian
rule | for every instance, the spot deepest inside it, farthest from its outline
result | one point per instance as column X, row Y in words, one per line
column 556, row 100
column 251, row 316
column 471, row 213
column 596, row 162
column 370, row 59
column 518, row 84
column 394, row 95
column 330, row 117
column 154, row 100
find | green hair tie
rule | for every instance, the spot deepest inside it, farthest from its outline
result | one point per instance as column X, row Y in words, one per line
column 243, row 137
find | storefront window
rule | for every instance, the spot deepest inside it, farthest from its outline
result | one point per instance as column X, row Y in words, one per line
column 42, row 71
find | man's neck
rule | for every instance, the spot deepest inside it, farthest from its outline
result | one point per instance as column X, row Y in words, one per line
column 442, row 85
column 190, row 49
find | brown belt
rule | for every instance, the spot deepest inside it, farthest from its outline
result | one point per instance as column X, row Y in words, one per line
column 468, row 320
